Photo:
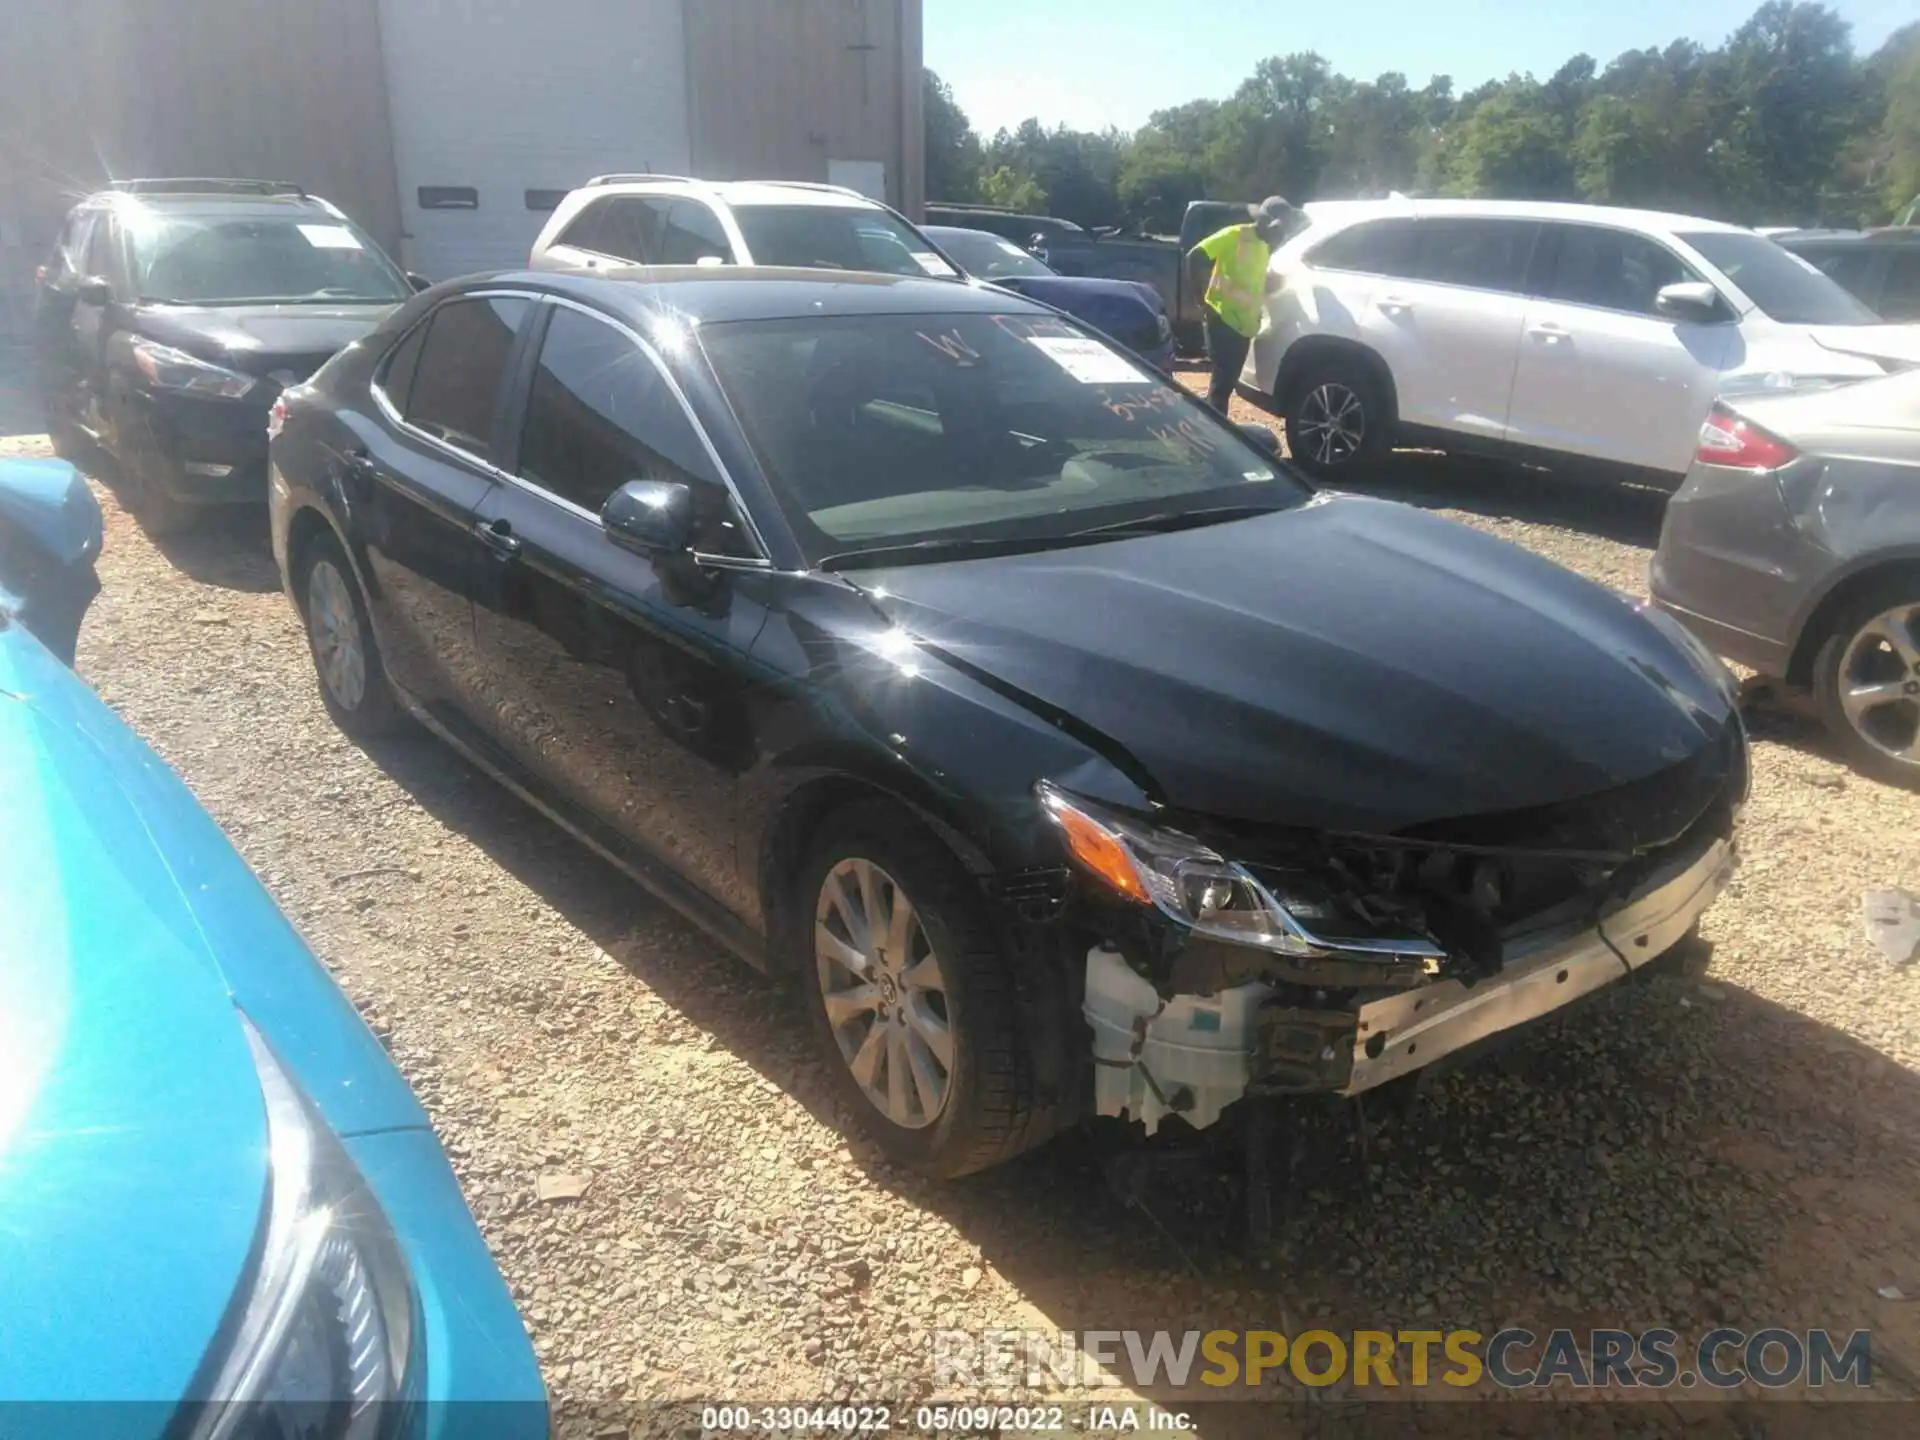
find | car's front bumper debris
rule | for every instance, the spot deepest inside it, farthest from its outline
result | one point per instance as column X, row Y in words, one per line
column 1193, row 1055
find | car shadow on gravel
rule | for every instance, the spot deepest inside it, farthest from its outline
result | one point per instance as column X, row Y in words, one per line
column 226, row 545
column 1674, row 1152
column 1605, row 508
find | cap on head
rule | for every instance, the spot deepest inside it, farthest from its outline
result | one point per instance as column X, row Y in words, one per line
column 1271, row 216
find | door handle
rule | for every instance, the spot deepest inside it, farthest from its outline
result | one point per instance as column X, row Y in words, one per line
column 1394, row 305
column 1552, row 334
column 497, row 536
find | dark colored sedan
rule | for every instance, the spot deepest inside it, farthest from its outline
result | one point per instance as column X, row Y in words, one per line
column 1128, row 310
column 173, row 311
column 924, row 647
column 1794, row 548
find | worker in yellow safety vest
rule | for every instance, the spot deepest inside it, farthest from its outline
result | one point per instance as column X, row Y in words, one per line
column 1237, row 295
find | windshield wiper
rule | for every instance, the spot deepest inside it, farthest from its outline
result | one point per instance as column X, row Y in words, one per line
column 1161, row 522
column 913, row 550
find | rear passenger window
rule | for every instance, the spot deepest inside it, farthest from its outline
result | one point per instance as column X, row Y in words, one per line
column 395, row 379
column 1613, row 269
column 1484, row 254
column 1379, row 247
column 601, row 413
column 627, row 227
column 456, row 380
column 692, row 234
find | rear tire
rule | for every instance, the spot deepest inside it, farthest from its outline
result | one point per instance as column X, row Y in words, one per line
column 353, row 682
column 1338, row 416
column 924, row 1044
column 1866, row 680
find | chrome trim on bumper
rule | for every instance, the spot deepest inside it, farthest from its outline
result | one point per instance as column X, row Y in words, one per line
column 1413, row 1029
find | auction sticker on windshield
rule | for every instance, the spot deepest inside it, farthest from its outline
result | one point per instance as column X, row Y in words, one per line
column 933, row 264
column 1088, row 361
column 330, row 237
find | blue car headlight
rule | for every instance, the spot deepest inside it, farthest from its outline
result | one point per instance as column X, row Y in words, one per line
column 320, row 1346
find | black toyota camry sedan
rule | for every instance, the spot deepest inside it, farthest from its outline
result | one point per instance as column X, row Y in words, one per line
column 1069, row 752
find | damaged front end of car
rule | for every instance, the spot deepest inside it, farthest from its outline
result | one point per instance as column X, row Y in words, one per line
column 1234, row 960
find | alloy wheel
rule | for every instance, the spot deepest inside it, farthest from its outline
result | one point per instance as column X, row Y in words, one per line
column 884, row 993
column 1880, row 683
column 1333, row 423
column 334, row 628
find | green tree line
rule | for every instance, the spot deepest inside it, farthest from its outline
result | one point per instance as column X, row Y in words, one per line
column 1782, row 124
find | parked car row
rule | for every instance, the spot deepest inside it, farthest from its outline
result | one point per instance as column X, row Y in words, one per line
column 930, row 647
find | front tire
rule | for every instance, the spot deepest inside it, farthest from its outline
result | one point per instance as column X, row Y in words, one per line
column 1866, row 680
column 1338, row 416
column 353, row 682
column 911, row 996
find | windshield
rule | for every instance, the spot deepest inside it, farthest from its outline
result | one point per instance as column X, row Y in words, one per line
column 1785, row 287
column 988, row 256
column 878, row 431
column 836, row 237
column 228, row 260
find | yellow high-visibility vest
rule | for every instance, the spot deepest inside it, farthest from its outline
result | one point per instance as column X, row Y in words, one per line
column 1238, row 288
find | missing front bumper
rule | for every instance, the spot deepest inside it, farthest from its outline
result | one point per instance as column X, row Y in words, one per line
column 1194, row 1055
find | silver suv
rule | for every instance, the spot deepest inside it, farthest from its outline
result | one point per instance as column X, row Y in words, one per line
column 671, row 220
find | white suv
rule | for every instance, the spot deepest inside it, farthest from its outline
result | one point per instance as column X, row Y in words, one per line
column 1552, row 333
column 616, row 220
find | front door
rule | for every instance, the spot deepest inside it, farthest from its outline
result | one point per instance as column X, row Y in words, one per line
column 1449, row 322
column 414, row 486
column 616, row 678
column 1601, row 372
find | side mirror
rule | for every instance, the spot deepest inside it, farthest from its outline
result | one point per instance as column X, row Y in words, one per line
column 650, row 517
column 1261, row 437
column 95, row 291
column 50, row 535
column 418, row 282
column 1693, row 300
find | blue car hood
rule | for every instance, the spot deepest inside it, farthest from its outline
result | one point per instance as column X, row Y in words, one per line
column 133, row 1164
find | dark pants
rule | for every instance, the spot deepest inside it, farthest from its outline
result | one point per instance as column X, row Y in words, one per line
column 1227, row 350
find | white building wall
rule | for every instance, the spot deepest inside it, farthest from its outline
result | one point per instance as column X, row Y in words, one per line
column 507, row 96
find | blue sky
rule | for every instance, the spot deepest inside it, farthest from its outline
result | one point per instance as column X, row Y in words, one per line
column 1091, row 63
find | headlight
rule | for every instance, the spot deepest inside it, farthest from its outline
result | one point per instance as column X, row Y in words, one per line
column 1710, row 665
column 1784, row 382
column 1194, row 885
column 171, row 369
column 323, row 1334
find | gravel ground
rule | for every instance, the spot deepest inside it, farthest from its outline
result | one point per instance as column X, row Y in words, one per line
column 1738, row 1146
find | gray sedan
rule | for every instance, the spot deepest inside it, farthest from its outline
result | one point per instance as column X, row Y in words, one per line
column 1794, row 548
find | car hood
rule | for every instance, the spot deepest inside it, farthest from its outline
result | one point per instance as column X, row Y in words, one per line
column 1899, row 343
column 1351, row 664
column 133, row 1162
column 259, row 339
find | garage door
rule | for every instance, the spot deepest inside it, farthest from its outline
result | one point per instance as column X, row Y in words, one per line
column 500, row 106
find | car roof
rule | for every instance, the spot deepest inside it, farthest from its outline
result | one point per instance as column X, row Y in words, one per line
column 1347, row 211
column 259, row 207
column 742, row 192
column 702, row 293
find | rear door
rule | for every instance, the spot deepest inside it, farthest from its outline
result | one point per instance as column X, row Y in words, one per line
column 415, row 486
column 1448, row 321
column 1602, row 374
column 617, row 679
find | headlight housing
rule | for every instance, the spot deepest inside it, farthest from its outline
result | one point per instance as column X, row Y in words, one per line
column 321, row 1343
column 1197, row 887
column 169, row 369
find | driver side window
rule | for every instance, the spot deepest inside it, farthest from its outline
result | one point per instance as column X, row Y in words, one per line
column 601, row 413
